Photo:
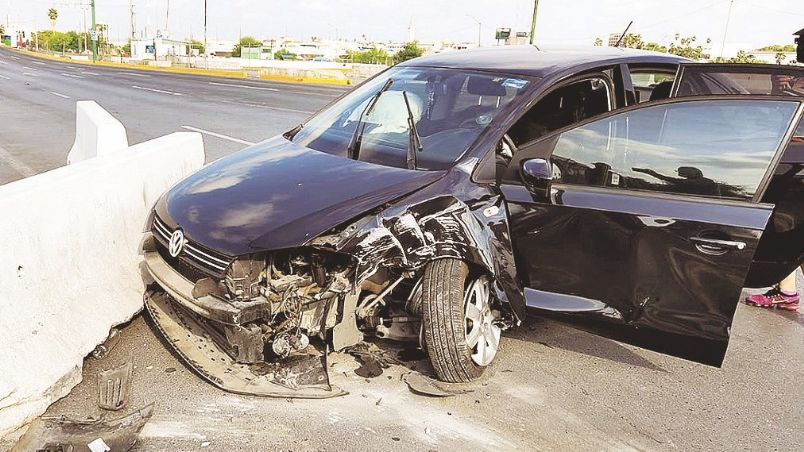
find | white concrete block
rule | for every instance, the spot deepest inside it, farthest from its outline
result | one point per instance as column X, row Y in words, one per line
column 96, row 133
column 70, row 264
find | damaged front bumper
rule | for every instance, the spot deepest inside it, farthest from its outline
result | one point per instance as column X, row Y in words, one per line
column 305, row 378
column 186, row 322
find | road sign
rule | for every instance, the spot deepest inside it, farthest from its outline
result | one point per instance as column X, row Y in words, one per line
column 502, row 33
column 93, row 35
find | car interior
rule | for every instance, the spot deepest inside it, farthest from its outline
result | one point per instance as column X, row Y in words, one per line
column 564, row 106
column 561, row 107
column 651, row 84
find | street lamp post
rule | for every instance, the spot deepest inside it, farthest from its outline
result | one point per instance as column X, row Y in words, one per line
column 479, row 28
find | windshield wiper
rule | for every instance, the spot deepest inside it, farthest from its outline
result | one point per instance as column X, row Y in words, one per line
column 414, row 140
column 353, row 150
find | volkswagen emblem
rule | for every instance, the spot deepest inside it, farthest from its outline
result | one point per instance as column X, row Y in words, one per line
column 176, row 243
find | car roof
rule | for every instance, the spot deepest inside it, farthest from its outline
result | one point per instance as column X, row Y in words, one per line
column 538, row 62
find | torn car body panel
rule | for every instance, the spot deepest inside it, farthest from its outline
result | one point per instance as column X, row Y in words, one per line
column 426, row 226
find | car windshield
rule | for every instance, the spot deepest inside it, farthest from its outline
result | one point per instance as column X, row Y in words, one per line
column 449, row 108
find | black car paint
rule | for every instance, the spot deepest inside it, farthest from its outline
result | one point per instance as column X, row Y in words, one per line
column 278, row 195
column 416, row 216
column 628, row 259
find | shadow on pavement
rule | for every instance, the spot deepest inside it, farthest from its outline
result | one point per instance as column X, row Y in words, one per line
column 553, row 334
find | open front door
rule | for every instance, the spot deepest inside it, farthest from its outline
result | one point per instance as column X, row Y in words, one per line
column 641, row 225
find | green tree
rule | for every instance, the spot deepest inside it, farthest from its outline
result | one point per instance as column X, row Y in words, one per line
column 681, row 46
column 52, row 14
column 284, row 54
column 2, row 29
column 789, row 48
column 632, row 41
column 780, row 56
column 126, row 49
column 196, row 44
column 744, row 57
column 409, row 51
column 685, row 47
column 370, row 56
column 247, row 41
column 598, row 42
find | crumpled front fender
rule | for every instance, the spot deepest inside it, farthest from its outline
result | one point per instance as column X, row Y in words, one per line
column 412, row 233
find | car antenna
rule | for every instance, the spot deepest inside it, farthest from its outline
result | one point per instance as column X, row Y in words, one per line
column 622, row 36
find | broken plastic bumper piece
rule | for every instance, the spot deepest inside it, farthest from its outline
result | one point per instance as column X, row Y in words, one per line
column 303, row 377
column 62, row 434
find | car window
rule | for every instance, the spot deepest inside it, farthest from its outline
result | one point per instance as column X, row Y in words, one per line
column 704, row 148
column 564, row 106
column 450, row 109
column 651, row 84
column 704, row 80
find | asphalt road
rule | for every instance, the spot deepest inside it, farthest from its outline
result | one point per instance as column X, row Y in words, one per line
column 37, row 108
column 552, row 387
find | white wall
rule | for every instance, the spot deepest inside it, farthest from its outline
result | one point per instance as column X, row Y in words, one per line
column 69, row 264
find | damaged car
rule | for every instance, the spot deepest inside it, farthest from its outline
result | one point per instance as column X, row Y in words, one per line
column 630, row 193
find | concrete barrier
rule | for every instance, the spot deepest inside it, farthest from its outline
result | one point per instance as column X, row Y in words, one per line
column 69, row 264
column 96, row 133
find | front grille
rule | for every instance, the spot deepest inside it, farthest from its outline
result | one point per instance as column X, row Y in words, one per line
column 194, row 262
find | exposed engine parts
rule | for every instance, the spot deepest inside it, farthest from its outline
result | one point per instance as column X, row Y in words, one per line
column 310, row 292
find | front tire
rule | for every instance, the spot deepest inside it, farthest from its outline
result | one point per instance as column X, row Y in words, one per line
column 460, row 333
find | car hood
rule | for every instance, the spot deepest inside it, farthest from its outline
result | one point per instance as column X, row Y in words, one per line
column 279, row 195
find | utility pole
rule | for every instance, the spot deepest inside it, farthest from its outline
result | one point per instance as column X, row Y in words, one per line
column 94, row 34
column 133, row 26
column 167, row 20
column 84, row 28
column 479, row 28
column 533, row 22
column 206, row 64
column 726, row 29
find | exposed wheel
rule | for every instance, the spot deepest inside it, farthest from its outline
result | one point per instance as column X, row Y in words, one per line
column 459, row 330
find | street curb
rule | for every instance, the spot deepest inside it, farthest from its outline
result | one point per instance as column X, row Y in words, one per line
column 195, row 71
column 312, row 80
column 175, row 70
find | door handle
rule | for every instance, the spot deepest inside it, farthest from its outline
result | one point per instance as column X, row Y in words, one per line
column 717, row 245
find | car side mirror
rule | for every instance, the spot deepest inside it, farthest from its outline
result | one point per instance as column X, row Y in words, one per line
column 537, row 174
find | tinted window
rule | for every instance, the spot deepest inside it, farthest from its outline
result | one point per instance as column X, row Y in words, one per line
column 703, row 80
column 705, row 148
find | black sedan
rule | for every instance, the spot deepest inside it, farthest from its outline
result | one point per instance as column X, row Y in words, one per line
column 631, row 193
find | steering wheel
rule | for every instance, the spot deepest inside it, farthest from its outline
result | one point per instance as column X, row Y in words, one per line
column 508, row 142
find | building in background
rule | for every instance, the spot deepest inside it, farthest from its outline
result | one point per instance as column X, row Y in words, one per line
column 517, row 39
column 16, row 35
column 158, row 48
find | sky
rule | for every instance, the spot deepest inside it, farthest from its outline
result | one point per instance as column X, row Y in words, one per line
column 753, row 23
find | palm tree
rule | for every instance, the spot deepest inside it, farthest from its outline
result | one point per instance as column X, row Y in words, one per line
column 53, row 15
